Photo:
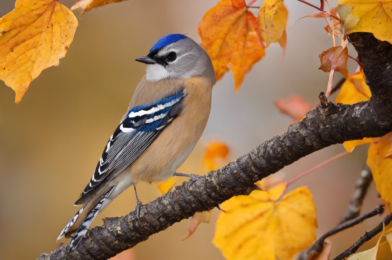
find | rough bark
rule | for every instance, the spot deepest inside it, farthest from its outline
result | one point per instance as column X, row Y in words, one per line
column 324, row 126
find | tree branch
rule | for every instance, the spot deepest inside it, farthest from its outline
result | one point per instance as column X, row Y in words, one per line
column 318, row 245
column 365, row 238
column 361, row 188
column 320, row 128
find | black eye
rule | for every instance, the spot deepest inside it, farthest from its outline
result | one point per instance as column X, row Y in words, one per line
column 172, row 56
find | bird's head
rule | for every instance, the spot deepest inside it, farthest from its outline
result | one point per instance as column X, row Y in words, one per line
column 177, row 56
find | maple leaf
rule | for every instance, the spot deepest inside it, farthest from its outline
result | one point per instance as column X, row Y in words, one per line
column 373, row 16
column 335, row 58
column 380, row 161
column 265, row 226
column 354, row 90
column 88, row 5
column 273, row 17
column 231, row 36
column 294, row 106
column 370, row 254
column 33, row 37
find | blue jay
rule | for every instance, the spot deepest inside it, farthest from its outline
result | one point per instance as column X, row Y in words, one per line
column 166, row 117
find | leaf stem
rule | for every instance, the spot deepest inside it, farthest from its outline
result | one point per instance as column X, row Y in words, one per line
column 251, row 3
column 319, row 8
column 330, row 80
column 316, row 168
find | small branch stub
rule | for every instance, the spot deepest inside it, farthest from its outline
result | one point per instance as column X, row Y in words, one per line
column 323, row 100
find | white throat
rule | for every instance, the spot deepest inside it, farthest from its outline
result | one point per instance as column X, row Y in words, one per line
column 156, row 72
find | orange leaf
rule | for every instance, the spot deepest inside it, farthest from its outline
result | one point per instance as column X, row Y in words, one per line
column 88, row 5
column 273, row 17
column 33, row 37
column 266, row 225
column 231, row 36
column 335, row 58
column 373, row 16
column 381, row 166
column 196, row 220
column 216, row 155
column 354, row 90
column 294, row 106
column 165, row 187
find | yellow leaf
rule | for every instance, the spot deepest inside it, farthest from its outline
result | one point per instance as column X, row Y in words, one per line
column 370, row 254
column 262, row 226
column 88, row 5
column 165, row 187
column 216, row 155
column 381, row 166
column 273, row 17
column 354, row 90
column 196, row 220
column 231, row 36
column 350, row 145
column 373, row 16
column 33, row 37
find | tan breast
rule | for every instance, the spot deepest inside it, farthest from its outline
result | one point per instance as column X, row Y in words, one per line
column 163, row 157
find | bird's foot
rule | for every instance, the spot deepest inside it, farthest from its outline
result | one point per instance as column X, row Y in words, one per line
column 192, row 177
column 138, row 205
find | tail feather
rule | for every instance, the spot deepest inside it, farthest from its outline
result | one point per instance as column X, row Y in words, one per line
column 101, row 204
column 72, row 222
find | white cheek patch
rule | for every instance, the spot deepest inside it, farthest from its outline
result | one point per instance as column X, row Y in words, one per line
column 156, row 72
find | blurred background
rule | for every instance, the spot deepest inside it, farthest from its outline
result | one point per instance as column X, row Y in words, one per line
column 51, row 141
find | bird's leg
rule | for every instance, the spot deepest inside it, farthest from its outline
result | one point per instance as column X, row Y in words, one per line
column 138, row 204
column 192, row 177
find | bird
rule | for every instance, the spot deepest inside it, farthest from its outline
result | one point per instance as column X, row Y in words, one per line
column 165, row 119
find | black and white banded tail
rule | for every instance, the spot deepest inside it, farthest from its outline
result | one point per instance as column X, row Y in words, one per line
column 98, row 207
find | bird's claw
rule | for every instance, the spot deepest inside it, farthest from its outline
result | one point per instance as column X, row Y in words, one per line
column 138, row 205
column 192, row 177
column 218, row 207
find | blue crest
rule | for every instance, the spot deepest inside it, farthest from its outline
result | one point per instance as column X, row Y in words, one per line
column 166, row 40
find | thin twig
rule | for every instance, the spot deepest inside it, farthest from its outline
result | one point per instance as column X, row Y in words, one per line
column 361, row 188
column 322, row 5
column 251, row 3
column 318, row 245
column 364, row 238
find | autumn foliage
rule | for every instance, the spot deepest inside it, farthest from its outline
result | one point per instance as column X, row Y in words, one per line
column 33, row 37
column 271, row 222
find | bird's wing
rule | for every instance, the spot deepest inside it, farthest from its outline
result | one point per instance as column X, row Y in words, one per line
column 135, row 133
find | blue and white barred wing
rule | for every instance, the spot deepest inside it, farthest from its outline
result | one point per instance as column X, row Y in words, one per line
column 135, row 133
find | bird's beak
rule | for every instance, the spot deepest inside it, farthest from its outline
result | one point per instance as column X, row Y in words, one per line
column 146, row 60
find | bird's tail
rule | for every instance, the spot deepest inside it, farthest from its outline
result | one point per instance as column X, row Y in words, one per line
column 83, row 219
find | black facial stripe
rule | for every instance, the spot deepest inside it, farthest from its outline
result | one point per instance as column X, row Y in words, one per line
column 159, row 60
